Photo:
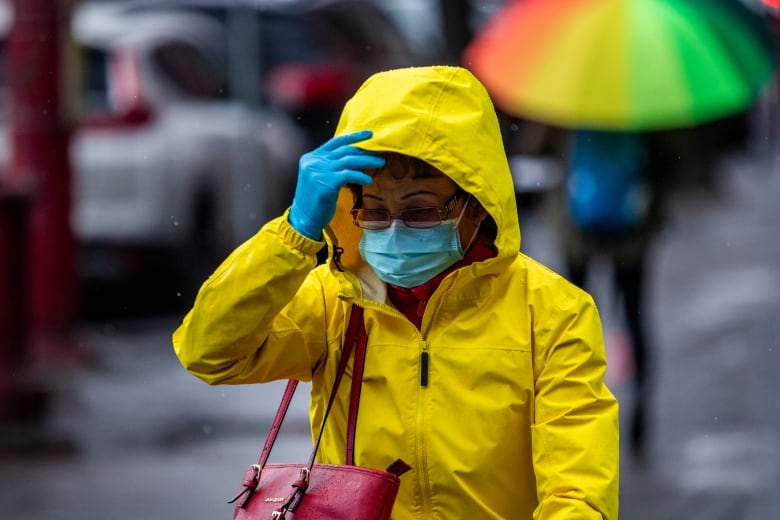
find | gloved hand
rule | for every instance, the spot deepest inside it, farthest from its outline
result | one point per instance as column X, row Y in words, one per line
column 321, row 174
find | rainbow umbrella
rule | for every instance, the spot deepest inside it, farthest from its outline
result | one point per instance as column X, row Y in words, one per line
column 623, row 64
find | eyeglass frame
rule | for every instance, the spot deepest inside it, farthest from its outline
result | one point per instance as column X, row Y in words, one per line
column 444, row 212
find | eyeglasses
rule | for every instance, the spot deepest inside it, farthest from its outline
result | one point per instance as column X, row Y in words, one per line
column 417, row 218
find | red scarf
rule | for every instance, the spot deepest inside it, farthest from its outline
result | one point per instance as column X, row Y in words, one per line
column 412, row 302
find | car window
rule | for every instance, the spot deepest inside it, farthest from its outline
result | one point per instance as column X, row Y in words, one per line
column 189, row 70
column 356, row 33
column 286, row 39
column 96, row 97
column 361, row 33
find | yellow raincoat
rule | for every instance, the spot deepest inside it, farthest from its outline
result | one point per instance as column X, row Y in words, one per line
column 515, row 421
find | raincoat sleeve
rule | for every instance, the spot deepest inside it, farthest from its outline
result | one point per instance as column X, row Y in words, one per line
column 260, row 315
column 575, row 431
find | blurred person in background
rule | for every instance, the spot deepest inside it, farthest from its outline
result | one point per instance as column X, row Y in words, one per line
column 612, row 210
column 614, row 205
column 484, row 369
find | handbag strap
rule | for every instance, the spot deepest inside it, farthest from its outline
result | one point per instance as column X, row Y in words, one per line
column 354, row 397
column 355, row 324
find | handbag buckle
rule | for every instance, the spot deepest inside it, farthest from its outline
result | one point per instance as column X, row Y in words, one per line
column 258, row 469
column 251, row 481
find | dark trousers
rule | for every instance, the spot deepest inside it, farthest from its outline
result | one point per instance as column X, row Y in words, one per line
column 629, row 283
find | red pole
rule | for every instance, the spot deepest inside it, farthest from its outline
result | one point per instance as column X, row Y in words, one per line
column 39, row 139
column 14, row 202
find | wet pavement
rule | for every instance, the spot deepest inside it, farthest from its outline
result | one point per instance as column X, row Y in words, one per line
column 149, row 441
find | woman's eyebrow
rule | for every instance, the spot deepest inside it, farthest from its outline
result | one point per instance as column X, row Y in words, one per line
column 419, row 192
column 403, row 197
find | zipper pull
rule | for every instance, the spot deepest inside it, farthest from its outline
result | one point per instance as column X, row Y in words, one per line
column 424, row 368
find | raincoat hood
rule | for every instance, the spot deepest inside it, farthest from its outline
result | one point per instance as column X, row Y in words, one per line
column 444, row 116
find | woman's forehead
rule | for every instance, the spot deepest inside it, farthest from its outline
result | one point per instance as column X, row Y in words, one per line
column 385, row 182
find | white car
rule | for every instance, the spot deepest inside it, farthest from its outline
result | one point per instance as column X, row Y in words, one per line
column 170, row 169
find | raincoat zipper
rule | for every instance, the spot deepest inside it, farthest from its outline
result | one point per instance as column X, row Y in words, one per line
column 424, row 368
column 420, row 443
column 422, row 462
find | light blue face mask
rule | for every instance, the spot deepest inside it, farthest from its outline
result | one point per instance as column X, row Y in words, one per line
column 409, row 257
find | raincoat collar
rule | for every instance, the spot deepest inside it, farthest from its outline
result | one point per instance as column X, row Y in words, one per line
column 411, row 302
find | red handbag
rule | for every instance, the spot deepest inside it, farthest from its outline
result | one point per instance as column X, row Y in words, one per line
column 321, row 491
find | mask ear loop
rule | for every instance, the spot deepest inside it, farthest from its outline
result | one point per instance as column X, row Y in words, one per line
column 463, row 211
column 477, row 225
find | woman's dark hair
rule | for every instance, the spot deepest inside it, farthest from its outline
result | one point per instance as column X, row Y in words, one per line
column 489, row 228
column 399, row 166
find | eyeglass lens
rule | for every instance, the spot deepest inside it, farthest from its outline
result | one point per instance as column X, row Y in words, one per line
column 381, row 218
column 413, row 218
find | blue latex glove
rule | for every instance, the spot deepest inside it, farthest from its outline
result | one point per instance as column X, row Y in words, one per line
column 321, row 174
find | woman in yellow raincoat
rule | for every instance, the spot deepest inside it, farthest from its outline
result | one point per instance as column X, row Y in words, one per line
column 484, row 369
